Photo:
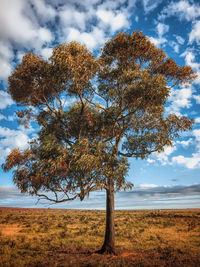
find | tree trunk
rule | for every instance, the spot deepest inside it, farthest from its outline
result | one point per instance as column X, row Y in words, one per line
column 109, row 242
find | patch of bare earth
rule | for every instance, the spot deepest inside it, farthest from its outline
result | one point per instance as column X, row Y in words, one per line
column 10, row 229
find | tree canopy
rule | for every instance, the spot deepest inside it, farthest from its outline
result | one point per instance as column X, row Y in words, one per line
column 93, row 114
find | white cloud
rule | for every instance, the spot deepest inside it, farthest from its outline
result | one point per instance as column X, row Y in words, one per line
column 166, row 158
column 197, row 120
column 183, row 10
column 92, row 23
column 44, row 11
column 159, row 197
column 158, row 41
column 192, row 162
column 179, row 98
column 175, row 46
column 20, row 55
column 8, row 118
column 185, row 143
column 163, row 157
column 10, row 139
column 68, row 102
column 92, row 40
column 2, row 117
column 70, row 17
column 13, row 27
column 113, row 21
column 27, row 25
column 17, row 26
column 11, row 118
column 162, row 29
column 189, row 162
column 197, row 98
column 21, row 28
column 15, row 140
column 150, row 160
column 194, row 64
column 6, row 100
column 147, row 186
column 5, row 69
column 194, row 35
column 150, row 5
column 116, row 4
column 4, row 152
column 190, row 60
column 5, row 50
column 45, row 35
column 86, row 38
column 46, row 52
column 196, row 134
column 180, row 40
column 6, row 54
column 197, row 80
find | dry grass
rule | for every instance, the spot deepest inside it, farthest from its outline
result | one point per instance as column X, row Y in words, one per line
column 47, row 237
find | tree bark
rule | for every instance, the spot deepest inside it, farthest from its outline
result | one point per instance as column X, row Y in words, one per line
column 109, row 242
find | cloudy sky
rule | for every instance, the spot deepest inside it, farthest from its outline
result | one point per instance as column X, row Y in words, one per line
column 167, row 180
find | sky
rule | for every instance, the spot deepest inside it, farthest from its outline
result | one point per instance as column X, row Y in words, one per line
column 170, row 179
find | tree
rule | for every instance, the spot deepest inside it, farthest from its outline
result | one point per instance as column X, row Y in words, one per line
column 93, row 114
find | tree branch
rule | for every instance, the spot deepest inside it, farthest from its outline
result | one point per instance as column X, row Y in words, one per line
column 129, row 155
column 43, row 196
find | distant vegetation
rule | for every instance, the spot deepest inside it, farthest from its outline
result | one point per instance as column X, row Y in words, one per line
column 47, row 237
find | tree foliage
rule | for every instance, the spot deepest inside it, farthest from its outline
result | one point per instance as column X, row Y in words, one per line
column 93, row 114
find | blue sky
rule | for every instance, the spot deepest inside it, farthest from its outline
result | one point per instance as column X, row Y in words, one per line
column 167, row 180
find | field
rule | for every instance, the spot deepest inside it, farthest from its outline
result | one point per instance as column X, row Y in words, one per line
column 52, row 237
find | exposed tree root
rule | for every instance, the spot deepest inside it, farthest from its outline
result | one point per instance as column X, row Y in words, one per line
column 106, row 250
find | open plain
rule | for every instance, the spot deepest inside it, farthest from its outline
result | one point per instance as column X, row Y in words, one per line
column 55, row 237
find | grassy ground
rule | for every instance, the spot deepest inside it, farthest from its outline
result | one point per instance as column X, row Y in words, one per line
column 47, row 237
